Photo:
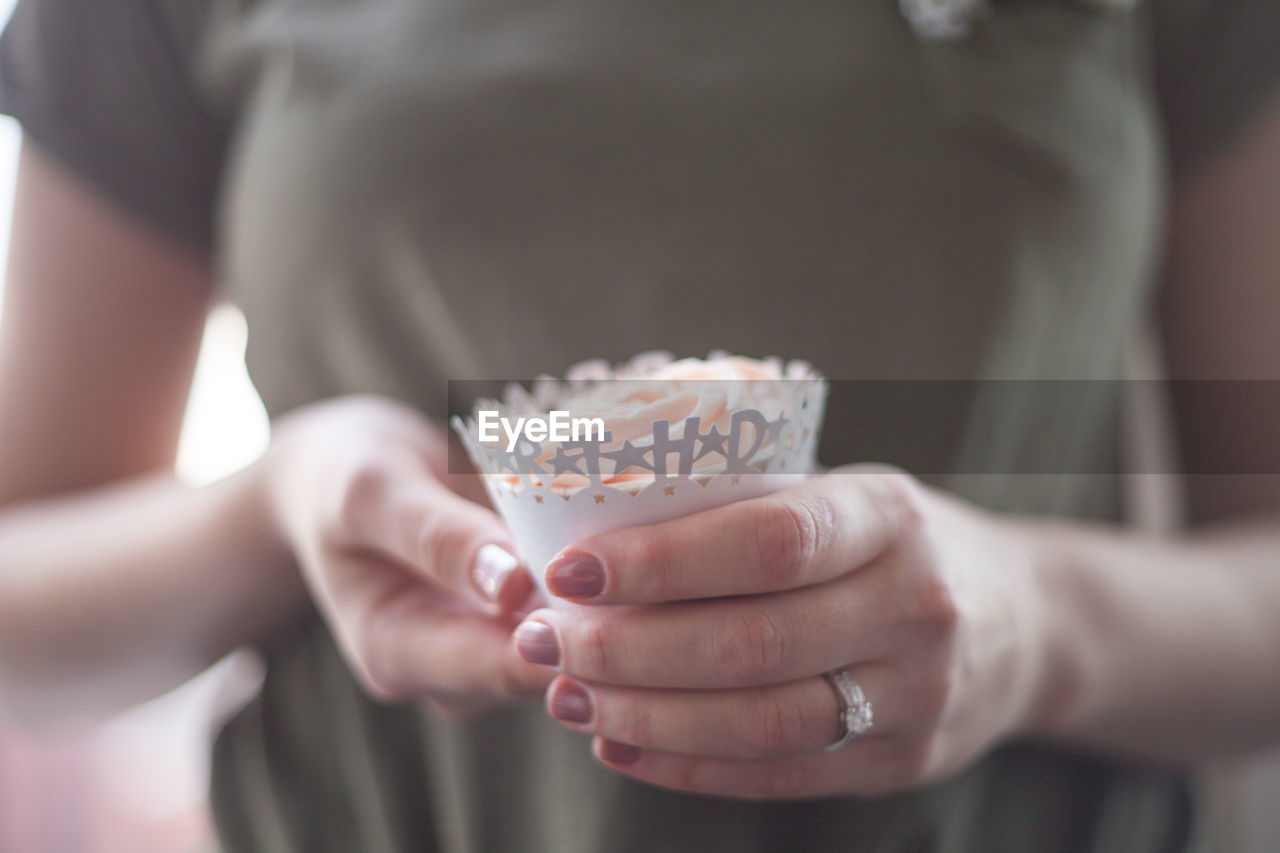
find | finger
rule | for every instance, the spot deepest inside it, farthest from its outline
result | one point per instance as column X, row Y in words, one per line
column 748, row 641
column 767, row 722
column 407, row 515
column 865, row 767
column 406, row 640
column 803, row 535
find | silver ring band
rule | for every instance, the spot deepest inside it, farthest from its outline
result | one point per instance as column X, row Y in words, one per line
column 855, row 709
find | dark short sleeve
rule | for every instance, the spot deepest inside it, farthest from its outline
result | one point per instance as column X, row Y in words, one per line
column 109, row 88
column 1218, row 70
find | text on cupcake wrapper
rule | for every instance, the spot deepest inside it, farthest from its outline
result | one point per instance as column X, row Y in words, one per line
column 749, row 432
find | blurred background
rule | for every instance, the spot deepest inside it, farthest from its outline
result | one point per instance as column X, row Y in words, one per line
column 137, row 783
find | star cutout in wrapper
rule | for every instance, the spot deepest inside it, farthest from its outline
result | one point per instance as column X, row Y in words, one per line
column 563, row 462
column 668, row 490
column 712, row 442
column 627, row 456
column 599, row 498
column 588, row 452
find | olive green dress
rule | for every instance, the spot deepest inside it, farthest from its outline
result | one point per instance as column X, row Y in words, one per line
column 402, row 192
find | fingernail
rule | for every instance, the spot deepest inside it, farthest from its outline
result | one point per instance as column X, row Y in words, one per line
column 575, row 575
column 618, row 753
column 536, row 642
column 494, row 564
column 569, row 701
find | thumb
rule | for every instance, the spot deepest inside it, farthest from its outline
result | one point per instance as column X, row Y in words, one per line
column 443, row 538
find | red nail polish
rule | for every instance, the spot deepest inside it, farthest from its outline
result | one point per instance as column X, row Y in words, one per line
column 618, row 753
column 570, row 702
column 575, row 575
column 536, row 642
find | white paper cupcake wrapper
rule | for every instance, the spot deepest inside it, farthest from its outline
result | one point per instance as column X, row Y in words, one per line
column 553, row 494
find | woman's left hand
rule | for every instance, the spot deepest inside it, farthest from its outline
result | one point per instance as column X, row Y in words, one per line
column 698, row 655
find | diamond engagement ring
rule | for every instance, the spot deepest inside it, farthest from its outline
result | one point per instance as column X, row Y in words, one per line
column 855, row 709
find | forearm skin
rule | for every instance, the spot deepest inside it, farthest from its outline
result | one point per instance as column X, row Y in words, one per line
column 116, row 595
column 1163, row 648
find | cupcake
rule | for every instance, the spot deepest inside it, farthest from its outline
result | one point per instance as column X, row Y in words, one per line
column 616, row 446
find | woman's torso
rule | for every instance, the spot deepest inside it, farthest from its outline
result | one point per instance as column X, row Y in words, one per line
column 425, row 191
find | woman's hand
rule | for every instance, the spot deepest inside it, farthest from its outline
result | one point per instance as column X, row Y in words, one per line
column 698, row 658
column 414, row 575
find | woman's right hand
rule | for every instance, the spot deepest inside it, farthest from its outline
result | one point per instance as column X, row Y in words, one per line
column 408, row 564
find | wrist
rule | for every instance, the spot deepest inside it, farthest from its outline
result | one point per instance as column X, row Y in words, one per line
column 1056, row 640
column 259, row 583
column 261, row 506
column 280, row 486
